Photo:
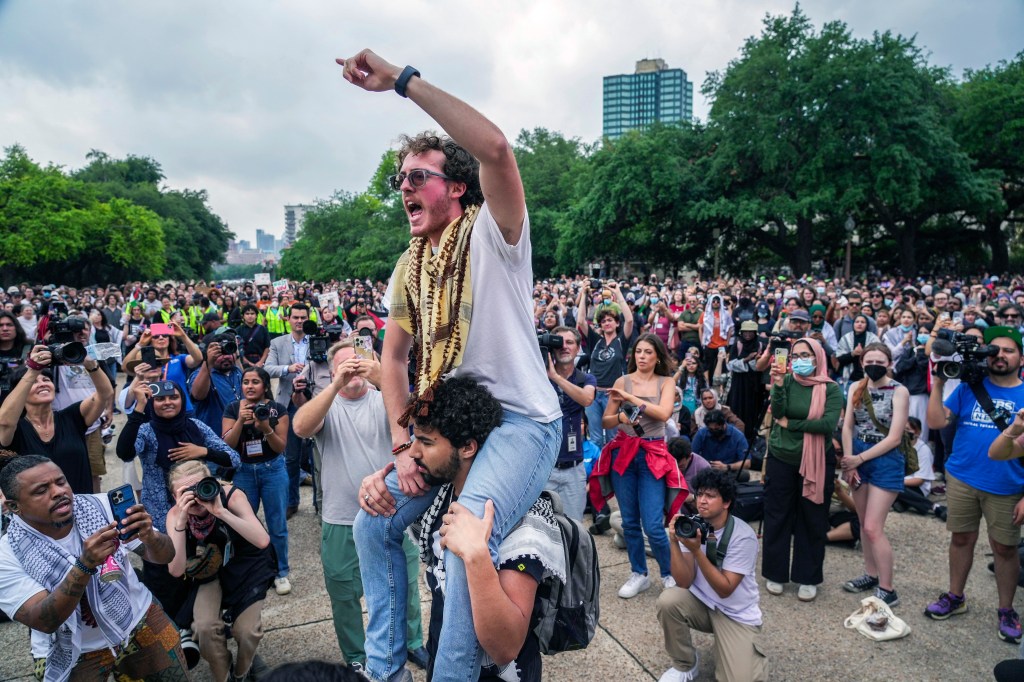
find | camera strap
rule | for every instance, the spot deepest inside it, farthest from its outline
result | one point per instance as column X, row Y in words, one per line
column 985, row 400
column 718, row 547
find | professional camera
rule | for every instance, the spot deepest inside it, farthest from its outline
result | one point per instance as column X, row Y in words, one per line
column 549, row 342
column 261, row 412
column 319, row 341
column 972, row 368
column 229, row 346
column 206, row 489
column 783, row 338
column 64, row 349
column 687, row 526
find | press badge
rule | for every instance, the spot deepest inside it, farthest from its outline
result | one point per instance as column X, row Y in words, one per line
column 253, row 447
column 572, row 442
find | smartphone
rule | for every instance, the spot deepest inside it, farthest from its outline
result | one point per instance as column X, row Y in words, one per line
column 364, row 347
column 148, row 354
column 121, row 499
column 782, row 358
column 958, row 316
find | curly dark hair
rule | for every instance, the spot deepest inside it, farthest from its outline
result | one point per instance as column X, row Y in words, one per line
column 459, row 165
column 715, row 479
column 461, row 410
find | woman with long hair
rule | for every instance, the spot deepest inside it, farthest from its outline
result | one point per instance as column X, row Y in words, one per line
column 222, row 552
column 876, row 415
column 257, row 428
column 167, row 341
column 637, row 461
column 691, row 381
column 850, row 351
column 800, row 470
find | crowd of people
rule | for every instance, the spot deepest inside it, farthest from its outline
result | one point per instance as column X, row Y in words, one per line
column 447, row 399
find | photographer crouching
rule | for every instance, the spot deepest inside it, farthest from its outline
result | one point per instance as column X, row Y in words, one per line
column 714, row 558
column 977, row 486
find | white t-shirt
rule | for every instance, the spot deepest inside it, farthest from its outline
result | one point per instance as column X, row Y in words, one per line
column 925, row 464
column 75, row 385
column 16, row 587
column 501, row 351
column 354, row 442
column 743, row 605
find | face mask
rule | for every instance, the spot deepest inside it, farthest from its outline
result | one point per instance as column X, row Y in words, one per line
column 803, row 366
column 654, row 300
column 906, row 328
column 922, row 339
column 875, row 372
column 607, row 301
column 888, row 303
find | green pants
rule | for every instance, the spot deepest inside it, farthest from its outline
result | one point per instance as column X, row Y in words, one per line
column 345, row 587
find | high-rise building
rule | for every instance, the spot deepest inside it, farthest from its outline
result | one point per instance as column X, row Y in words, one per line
column 293, row 216
column 265, row 241
column 653, row 93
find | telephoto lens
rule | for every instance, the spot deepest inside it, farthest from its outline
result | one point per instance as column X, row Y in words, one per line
column 688, row 525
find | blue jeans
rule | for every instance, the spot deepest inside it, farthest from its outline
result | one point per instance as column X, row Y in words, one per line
column 595, row 411
column 510, row 469
column 268, row 482
column 642, row 502
column 297, row 453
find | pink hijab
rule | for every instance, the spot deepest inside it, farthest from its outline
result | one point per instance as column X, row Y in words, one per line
column 812, row 464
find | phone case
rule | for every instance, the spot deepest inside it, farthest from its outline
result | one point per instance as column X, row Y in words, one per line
column 121, row 499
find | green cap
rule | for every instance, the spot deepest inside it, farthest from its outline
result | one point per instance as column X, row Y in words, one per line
column 1004, row 332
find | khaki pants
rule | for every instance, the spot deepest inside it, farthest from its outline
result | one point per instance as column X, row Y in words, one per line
column 208, row 626
column 737, row 651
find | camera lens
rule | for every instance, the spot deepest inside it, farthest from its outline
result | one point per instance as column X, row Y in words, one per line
column 685, row 528
column 228, row 347
column 261, row 412
column 207, row 489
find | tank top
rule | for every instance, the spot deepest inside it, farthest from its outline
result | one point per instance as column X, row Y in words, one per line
column 653, row 428
column 881, row 403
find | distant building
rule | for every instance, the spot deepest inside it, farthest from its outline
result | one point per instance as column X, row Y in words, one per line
column 293, row 217
column 653, row 93
column 265, row 241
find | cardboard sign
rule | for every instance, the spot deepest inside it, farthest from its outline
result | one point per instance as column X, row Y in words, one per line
column 280, row 286
column 261, row 278
column 104, row 351
column 329, row 300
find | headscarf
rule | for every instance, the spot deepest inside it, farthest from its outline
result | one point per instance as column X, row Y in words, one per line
column 817, row 308
column 860, row 339
column 725, row 324
column 812, row 464
column 174, row 431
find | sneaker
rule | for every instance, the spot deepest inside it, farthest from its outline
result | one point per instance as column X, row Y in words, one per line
column 619, row 541
column 418, row 657
column 1009, row 626
column 888, row 596
column 940, row 511
column 807, row 592
column 290, row 512
column 189, row 648
column 947, row 605
column 668, row 581
column 674, row 675
column 602, row 524
column 864, row 582
column 773, row 587
column 637, row 583
column 282, row 586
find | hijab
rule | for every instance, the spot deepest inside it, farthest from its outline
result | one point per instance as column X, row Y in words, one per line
column 170, row 433
column 812, row 464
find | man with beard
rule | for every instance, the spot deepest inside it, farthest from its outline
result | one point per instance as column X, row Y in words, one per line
column 216, row 384
column 461, row 296
column 348, row 423
column 977, row 486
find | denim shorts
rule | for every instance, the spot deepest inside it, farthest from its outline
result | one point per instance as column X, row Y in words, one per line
column 885, row 472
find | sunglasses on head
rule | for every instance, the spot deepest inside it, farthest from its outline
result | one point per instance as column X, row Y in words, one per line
column 417, row 178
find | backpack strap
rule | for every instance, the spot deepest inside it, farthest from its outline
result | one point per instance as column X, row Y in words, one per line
column 870, row 407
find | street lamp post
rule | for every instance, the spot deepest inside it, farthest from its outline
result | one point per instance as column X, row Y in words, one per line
column 850, row 225
column 717, row 234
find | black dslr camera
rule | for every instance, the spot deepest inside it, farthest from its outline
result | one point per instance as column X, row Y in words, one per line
column 783, row 339
column 549, row 342
column 688, row 525
column 65, row 350
column 973, row 367
column 206, row 489
column 261, row 412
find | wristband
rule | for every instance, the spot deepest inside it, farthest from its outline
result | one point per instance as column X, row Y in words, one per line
column 643, row 407
column 180, row 530
column 401, row 448
column 403, row 80
column 94, row 369
column 83, row 568
column 32, row 364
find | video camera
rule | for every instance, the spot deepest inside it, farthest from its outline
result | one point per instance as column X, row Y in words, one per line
column 549, row 342
column 321, row 339
column 783, row 338
column 972, row 368
column 64, row 349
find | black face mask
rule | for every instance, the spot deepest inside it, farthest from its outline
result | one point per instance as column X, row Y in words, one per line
column 717, row 434
column 875, row 372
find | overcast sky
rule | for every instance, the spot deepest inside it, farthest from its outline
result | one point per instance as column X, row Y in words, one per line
column 244, row 99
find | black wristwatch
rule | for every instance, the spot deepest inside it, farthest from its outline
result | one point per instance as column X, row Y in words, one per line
column 403, row 80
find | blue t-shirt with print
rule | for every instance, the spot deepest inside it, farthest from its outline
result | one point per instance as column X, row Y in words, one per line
column 969, row 460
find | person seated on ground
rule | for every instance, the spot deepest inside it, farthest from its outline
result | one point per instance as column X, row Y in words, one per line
column 709, row 401
column 918, row 485
column 716, row 589
column 49, row 560
column 447, row 439
column 724, row 446
column 844, row 524
column 224, row 554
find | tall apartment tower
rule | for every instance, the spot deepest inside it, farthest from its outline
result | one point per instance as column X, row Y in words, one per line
column 293, row 216
column 654, row 92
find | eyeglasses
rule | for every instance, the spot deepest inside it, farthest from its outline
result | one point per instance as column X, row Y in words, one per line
column 417, row 178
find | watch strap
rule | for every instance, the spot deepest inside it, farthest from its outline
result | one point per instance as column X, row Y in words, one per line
column 403, row 80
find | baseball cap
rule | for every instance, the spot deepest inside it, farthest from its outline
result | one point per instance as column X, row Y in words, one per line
column 799, row 314
column 211, row 317
column 1003, row 332
column 13, row 289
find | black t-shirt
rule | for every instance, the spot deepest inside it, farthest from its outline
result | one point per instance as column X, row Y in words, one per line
column 253, row 447
column 253, row 341
column 67, row 449
column 607, row 361
column 527, row 663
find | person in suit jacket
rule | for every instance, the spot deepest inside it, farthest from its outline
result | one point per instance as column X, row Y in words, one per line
column 286, row 361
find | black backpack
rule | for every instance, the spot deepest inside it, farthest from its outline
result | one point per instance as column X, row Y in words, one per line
column 567, row 613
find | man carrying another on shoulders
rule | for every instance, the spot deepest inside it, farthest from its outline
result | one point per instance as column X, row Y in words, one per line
column 716, row 589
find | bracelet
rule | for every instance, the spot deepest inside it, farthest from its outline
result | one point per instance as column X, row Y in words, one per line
column 401, row 448
column 32, row 364
column 403, row 80
column 180, row 530
column 643, row 407
column 94, row 369
column 83, row 568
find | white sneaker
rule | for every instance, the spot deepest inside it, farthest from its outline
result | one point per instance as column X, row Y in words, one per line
column 619, row 541
column 636, row 584
column 773, row 587
column 668, row 581
column 282, row 586
column 807, row 592
column 673, row 675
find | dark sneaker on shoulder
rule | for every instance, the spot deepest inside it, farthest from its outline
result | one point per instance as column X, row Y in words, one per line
column 861, row 584
column 948, row 605
column 418, row 657
column 1009, row 626
column 888, row 596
